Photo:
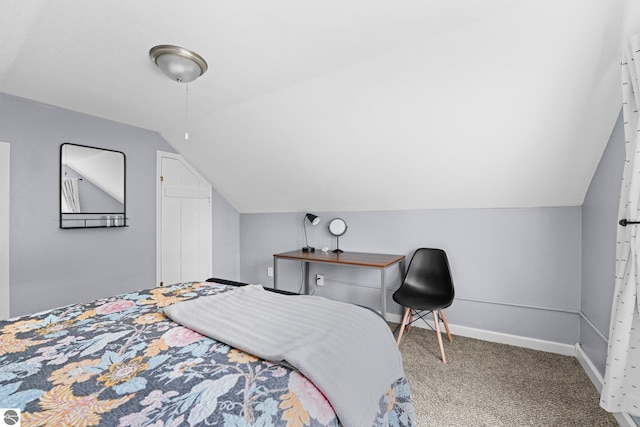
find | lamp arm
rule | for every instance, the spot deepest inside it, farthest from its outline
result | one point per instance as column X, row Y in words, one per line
column 304, row 225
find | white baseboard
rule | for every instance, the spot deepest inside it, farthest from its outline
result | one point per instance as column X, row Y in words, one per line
column 623, row 418
column 499, row 337
column 589, row 368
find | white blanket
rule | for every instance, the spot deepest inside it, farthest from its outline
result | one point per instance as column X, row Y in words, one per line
column 347, row 351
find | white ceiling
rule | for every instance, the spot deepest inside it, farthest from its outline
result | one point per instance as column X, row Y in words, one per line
column 345, row 105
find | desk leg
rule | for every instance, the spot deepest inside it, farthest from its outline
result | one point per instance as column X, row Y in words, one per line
column 275, row 273
column 402, row 273
column 383, row 291
column 306, row 278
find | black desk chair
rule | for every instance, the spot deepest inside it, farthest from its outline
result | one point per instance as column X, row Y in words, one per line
column 427, row 288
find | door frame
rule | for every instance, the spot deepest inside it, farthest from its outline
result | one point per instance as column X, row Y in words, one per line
column 186, row 164
column 5, row 228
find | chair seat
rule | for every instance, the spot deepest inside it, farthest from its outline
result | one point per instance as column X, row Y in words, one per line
column 409, row 296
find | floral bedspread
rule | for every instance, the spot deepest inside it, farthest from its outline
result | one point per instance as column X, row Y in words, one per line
column 120, row 362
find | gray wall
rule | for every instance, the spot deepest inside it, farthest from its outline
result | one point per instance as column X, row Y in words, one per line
column 50, row 267
column 226, row 239
column 600, row 217
column 516, row 271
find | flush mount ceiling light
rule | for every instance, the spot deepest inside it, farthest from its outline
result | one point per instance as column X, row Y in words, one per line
column 177, row 63
column 180, row 65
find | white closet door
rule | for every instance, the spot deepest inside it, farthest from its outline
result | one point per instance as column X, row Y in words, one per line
column 184, row 249
column 4, row 230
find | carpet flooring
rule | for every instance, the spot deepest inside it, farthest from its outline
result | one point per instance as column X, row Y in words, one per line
column 489, row 384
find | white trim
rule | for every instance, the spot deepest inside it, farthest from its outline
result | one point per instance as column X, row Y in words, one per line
column 594, row 327
column 5, row 162
column 623, row 418
column 499, row 337
column 159, row 156
column 589, row 368
column 510, row 304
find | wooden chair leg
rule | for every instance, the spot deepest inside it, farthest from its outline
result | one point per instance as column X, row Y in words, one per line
column 404, row 320
column 437, row 324
column 411, row 313
column 446, row 325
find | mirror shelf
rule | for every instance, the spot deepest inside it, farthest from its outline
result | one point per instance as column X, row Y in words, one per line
column 103, row 221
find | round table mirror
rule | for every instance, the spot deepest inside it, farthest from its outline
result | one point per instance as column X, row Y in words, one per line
column 337, row 227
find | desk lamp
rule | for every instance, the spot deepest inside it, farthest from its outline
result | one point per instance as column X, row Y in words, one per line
column 314, row 220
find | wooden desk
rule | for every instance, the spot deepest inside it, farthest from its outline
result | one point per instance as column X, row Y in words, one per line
column 354, row 259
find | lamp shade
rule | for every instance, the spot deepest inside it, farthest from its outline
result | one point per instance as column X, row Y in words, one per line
column 178, row 63
column 313, row 219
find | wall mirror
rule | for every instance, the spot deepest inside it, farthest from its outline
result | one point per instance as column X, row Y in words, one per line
column 92, row 187
column 337, row 227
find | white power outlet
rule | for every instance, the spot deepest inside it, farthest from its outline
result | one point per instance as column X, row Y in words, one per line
column 269, row 271
column 320, row 279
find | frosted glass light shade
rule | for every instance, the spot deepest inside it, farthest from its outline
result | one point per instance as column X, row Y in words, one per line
column 178, row 63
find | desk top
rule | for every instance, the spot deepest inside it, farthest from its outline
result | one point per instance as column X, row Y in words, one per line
column 350, row 258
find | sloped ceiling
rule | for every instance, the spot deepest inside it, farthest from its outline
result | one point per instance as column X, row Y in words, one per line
column 345, row 105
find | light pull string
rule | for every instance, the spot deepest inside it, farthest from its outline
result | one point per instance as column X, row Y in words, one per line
column 186, row 115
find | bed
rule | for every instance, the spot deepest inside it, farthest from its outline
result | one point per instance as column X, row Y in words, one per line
column 120, row 361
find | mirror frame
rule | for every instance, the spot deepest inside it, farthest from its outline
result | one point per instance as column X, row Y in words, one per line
column 70, row 220
column 335, row 220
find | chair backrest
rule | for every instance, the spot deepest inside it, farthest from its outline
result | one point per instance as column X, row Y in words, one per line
column 429, row 272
